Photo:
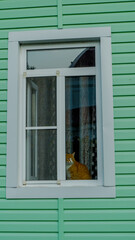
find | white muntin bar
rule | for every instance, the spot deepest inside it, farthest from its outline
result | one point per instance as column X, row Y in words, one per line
column 41, row 128
column 86, row 71
column 61, row 128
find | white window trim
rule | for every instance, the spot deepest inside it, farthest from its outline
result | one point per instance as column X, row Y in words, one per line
column 15, row 189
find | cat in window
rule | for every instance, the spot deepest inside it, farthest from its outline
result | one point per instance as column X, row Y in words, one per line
column 76, row 170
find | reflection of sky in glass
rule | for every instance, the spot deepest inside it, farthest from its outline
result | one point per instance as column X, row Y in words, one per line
column 56, row 58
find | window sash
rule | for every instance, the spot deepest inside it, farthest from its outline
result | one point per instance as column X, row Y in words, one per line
column 60, row 127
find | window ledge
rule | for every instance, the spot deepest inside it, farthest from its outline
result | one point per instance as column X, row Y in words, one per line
column 61, row 192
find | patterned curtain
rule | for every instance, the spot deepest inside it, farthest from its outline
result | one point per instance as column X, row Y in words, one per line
column 84, row 122
column 81, row 121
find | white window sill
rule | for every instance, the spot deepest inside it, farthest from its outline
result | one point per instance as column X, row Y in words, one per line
column 61, row 192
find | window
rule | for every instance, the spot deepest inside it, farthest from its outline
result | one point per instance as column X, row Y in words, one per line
column 60, row 103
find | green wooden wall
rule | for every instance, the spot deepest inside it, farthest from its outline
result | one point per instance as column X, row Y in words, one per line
column 76, row 219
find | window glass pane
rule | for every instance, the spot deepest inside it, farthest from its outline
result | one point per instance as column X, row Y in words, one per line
column 41, row 101
column 81, row 137
column 41, row 160
column 61, row 58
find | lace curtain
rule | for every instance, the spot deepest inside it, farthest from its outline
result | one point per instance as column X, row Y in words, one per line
column 81, row 121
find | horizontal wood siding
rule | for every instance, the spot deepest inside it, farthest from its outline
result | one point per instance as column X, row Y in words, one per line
column 76, row 219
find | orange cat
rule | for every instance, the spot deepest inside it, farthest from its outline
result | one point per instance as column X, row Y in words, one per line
column 76, row 170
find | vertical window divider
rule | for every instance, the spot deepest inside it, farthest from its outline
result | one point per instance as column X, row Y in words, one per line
column 99, row 117
column 22, row 119
column 60, row 128
column 28, row 152
column 24, row 132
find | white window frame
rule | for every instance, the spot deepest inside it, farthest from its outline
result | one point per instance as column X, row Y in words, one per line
column 60, row 74
column 17, row 187
column 31, row 86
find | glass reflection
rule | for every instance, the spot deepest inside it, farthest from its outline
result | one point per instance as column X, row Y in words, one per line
column 81, row 132
column 41, row 152
column 61, row 58
column 41, row 101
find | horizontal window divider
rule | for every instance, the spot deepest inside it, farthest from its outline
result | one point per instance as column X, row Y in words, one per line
column 63, row 182
column 40, row 182
column 86, row 71
column 41, row 128
column 78, row 183
column 69, row 45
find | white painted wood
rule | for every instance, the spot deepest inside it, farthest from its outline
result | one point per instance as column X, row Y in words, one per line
column 61, row 45
column 100, row 170
column 30, row 86
column 61, row 128
column 12, row 115
column 39, row 183
column 28, row 141
column 22, row 120
column 16, row 113
column 60, row 35
column 63, row 144
column 68, row 183
column 107, row 112
column 62, row 72
column 41, row 128
column 61, row 192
